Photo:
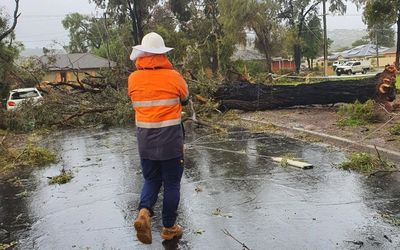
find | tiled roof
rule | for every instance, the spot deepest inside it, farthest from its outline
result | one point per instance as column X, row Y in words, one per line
column 360, row 51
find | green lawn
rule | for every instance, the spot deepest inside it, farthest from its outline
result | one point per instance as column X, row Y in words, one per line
column 398, row 82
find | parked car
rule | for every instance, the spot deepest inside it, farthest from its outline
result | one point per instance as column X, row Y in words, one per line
column 17, row 96
column 353, row 67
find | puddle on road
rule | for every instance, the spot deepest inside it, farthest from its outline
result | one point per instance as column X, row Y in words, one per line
column 259, row 202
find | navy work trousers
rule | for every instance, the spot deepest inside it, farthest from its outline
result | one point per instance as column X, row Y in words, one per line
column 169, row 174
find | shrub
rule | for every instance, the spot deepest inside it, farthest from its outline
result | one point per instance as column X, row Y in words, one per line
column 357, row 114
column 252, row 67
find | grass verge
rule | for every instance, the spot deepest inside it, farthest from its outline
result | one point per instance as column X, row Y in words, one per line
column 29, row 156
column 366, row 163
column 395, row 130
column 393, row 220
column 357, row 114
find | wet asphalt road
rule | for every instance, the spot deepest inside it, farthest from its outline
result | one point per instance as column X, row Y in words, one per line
column 260, row 203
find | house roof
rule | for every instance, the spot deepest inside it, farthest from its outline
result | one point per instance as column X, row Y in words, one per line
column 247, row 54
column 360, row 51
column 76, row 61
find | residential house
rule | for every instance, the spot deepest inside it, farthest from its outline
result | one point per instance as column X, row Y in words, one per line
column 67, row 67
column 389, row 57
column 361, row 52
column 278, row 64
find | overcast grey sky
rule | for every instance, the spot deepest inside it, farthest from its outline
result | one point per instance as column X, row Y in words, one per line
column 40, row 21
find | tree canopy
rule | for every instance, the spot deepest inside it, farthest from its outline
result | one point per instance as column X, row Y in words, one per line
column 9, row 49
column 380, row 16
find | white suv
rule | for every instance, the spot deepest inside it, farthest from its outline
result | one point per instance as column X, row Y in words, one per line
column 17, row 96
column 353, row 67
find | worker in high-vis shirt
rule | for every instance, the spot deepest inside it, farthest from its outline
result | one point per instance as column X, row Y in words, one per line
column 157, row 93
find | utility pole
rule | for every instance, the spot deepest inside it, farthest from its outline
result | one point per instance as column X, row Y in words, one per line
column 377, row 48
column 325, row 39
column 108, row 38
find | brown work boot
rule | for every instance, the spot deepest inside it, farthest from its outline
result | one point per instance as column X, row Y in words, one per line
column 170, row 232
column 143, row 227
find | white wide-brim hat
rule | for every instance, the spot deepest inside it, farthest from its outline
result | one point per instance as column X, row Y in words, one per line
column 152, row 43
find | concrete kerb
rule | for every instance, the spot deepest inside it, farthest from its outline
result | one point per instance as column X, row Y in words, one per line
column 336, row 140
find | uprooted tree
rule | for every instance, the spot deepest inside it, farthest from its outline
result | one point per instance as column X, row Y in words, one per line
column 246, row 96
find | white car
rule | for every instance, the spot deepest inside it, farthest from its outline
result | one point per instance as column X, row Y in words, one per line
column 17, row 96
column 353, row 67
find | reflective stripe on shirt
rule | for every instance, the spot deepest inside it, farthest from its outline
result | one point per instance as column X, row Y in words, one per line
column 161, row 102
column 158, row 124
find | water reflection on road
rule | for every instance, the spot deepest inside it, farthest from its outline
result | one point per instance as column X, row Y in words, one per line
column 260, row 203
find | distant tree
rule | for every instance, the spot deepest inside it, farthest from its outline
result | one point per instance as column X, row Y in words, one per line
column 383, row 12
column 381, row 34
column 313, row 40
column 182, row 9
column 361, row 41
column 79, row 28
column 138, row 12
column 205, row 30
column 263, row 19
column 296, row 12
column 100, row 36
column 341, row 49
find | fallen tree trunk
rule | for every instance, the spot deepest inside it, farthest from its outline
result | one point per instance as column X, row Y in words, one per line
column 250, row 97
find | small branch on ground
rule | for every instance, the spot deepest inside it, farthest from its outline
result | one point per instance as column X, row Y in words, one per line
column 379, row 156
column 383, row 171
column 227, row 233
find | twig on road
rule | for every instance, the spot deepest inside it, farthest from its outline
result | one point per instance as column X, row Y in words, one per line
column 227, row 233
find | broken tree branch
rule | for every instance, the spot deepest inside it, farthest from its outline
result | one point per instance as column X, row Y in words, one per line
column 74, row 86
column 193, row 118
column 82, row 113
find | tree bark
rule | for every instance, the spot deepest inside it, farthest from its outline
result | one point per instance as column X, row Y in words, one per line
column 136, row 21
column 251, row 97
column 297, row 56
column 15, row 19
column 398, row 41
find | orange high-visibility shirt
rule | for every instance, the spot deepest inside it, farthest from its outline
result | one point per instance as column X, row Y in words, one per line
column 156, row 92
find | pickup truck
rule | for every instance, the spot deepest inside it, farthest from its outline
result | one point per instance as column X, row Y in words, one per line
column 353, row 67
